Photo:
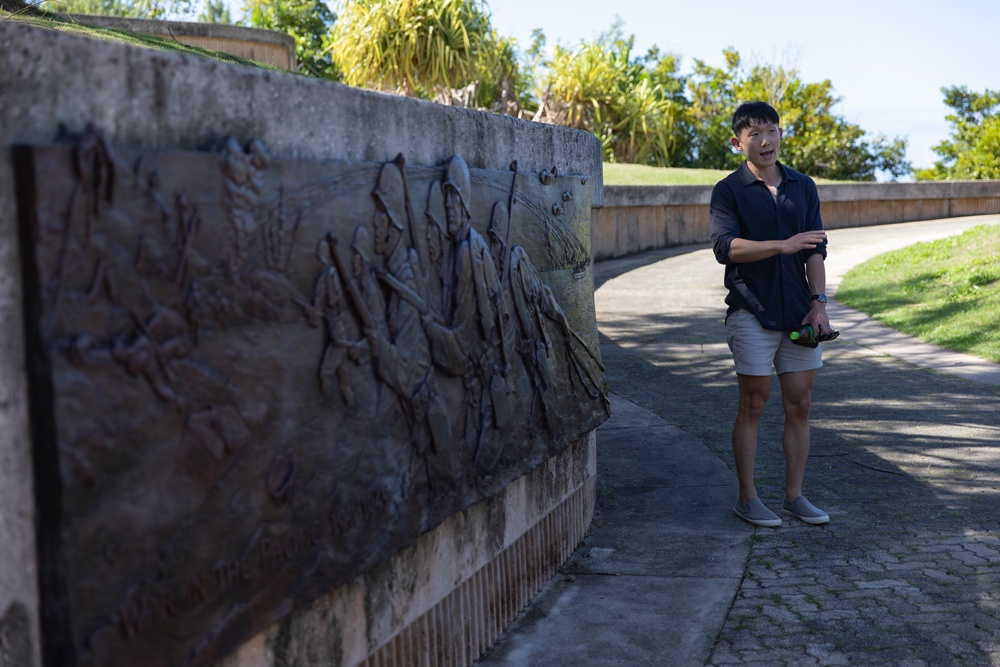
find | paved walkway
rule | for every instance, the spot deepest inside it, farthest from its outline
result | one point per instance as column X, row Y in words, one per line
column 904, row 458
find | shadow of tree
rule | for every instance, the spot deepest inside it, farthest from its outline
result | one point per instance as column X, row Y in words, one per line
column 903, row 458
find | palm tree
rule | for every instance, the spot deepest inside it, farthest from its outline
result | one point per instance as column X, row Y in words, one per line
column 422, row 48
column 599, row 87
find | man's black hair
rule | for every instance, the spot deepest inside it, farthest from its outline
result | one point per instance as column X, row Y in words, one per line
column 753, row 113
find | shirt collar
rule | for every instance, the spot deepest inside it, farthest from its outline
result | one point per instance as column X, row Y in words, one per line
column 747, row 177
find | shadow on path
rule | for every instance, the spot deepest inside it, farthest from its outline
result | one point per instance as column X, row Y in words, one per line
column 903, row 458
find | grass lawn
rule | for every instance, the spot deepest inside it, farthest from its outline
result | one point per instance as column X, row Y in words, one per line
column 944, row 292
column 638, row 174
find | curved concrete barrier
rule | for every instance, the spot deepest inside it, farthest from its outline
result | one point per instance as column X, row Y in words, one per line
column 639, row 218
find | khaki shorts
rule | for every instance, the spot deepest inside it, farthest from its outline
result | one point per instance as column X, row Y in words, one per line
column 756, row 349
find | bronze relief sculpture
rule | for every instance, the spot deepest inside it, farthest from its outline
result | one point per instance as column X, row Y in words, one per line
column 255, row 378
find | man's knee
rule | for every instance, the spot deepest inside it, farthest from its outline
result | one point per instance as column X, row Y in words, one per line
column 797, row 406
column 796, row 393
column 754, row 392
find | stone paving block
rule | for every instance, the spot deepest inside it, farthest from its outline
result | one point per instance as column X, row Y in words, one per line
column 884, row 583
column 946, row 577
column 827, row 654
column 987, row 552
column 970, row 559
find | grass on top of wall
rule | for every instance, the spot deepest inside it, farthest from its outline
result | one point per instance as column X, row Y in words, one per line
column 639, row 174
column 945, row 292
column 65, row 23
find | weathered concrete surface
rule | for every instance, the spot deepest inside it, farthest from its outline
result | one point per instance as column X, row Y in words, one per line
column 657, row 195
column 152, row 99
column 414, row 590
column 856, row 192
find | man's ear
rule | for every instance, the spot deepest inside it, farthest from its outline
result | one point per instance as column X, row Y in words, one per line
column 735, row 143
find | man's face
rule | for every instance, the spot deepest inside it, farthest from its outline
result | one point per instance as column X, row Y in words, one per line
column 760, row 144
column 380, row 227
column 434, row 244
column 454, row 213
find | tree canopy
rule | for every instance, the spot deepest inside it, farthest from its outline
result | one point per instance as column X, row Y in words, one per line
column 816, row 140
column 973, row 150
column 135, row 9
column 308, row 22
column 644, row 112
column 413, row 47
column 215, row 11
column 629, row 103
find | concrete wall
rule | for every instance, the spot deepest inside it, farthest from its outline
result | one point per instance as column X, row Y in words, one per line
column 444, row 600
column 263, row 46
column 53, row 83
column 639, row 218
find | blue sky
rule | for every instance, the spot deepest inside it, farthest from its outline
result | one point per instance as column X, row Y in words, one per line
column 887, row 59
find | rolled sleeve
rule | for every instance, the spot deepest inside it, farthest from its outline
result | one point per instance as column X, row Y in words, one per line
column 813, row 219
column 724, row 225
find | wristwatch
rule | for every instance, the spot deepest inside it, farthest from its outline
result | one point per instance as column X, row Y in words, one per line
column 819, row 297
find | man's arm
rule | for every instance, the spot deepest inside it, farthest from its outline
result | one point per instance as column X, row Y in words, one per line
column 730, row 247
column 744, row 250
column 816, row 276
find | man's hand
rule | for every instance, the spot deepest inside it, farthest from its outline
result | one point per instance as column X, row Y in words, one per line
column 803, row 241
column 818, row 319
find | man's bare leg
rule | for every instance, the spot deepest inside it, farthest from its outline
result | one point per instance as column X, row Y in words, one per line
column 754, row 392
column 796, row 400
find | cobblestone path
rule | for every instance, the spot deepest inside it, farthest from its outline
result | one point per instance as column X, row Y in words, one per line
column 905, row 460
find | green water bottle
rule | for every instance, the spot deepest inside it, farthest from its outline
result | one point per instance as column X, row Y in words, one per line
column 805, row 335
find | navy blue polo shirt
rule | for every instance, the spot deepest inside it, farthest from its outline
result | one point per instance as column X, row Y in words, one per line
column 774, row 289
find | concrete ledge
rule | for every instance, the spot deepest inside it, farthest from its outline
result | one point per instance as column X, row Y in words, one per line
column 657, row 195
column 150, row 99
column 673, row 195
column 908, row 191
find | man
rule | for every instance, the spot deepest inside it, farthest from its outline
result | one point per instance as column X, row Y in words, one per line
column 404, row 357
column 766, row 229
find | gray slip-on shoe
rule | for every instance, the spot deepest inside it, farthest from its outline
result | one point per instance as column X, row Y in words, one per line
column 805, row 511
column 754, row 512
